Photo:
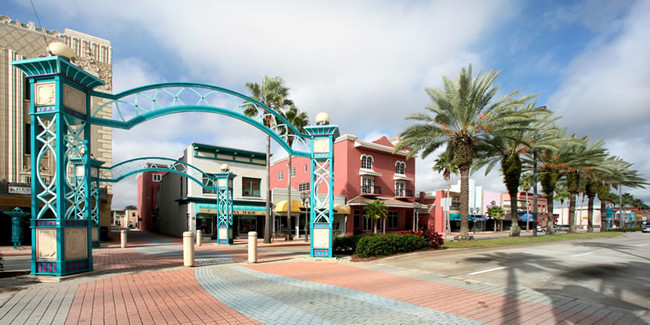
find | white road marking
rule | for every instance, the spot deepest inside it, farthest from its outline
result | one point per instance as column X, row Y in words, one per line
column 488, row 270
column 583, row 254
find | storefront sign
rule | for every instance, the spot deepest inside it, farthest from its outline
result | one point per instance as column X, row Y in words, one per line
column 17, row 189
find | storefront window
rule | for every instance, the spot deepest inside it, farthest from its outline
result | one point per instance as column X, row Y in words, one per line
column 251, row 187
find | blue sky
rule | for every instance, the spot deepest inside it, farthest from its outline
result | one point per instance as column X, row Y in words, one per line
column 367, row 63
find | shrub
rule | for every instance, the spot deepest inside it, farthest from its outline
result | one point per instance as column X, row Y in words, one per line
column 346, row 245
column 434, row 239
column 389, row 244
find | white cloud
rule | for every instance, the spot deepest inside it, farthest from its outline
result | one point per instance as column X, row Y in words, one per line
column 605, row 93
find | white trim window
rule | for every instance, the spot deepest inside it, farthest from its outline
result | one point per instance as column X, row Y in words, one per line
column 366, row 162
column 280, row 175
column 400, row 188
column 367, row 185
column 156, row 178
column 393, row 220
column 400, row 168
column 293, row 171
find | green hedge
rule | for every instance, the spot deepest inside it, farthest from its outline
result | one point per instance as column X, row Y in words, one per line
column 389, row 244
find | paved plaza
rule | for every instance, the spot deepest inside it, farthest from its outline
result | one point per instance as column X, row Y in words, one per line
column 147, row 284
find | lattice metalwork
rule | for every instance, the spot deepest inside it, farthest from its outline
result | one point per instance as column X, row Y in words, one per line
column 94, row 203
column 46, row 139
column 322, row 174
column 224, row 207
column 76, row 148
column 144, row 103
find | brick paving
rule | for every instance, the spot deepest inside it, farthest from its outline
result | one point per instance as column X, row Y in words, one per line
column 146, row 284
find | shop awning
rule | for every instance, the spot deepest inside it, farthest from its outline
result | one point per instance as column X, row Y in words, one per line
column 342, row 209
column 281, row 207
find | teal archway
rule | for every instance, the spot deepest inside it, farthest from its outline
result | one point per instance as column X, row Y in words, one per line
column 61, row 115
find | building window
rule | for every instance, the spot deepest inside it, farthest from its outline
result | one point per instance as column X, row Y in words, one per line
column 306, row 169
column 367, row 224
column 156, row 177
column 392, row 219
column 357, row 219
column 366, row 162
column 303, row 187
column 400, row 188
column 251, row 187
column 293, row 171
column 280, row 175
column 368, row 185
column 400, row 168
column 27, row 91
column 208, row 180
column 28, row 180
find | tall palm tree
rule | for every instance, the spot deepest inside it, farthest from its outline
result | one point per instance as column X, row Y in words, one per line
column 375, row 210
column 444, row 165
column 274, row 94
column 299, row 120
column 508, row 149
column 465, row 117
column 583, row 159
column 526, row 183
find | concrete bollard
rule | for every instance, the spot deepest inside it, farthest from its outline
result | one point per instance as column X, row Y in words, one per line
column 252, row 247
column 188, row 249
column 123, row 234
column 198, row 238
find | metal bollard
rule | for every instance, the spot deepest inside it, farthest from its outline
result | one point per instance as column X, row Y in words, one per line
column 188, row 248
column 252, row 247
column 198, row 238
column 123, row 234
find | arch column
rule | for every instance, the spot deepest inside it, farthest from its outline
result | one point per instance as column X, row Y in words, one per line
column 60, row 137
column 224, row 206
column 322, row 188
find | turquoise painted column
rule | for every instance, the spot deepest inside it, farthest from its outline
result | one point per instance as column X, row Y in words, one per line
column 59, row 112
column 93, row 200
column 322, row 185
column 224, row 205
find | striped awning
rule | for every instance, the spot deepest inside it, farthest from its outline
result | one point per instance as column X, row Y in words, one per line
column 281, row 207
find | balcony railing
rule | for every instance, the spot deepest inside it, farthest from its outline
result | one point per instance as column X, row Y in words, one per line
column 403, row 193
column 368, row 189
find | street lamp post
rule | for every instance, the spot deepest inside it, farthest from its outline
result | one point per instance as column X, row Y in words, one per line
column 304, row 196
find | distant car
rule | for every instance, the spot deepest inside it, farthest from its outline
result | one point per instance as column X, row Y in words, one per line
column 645, row 227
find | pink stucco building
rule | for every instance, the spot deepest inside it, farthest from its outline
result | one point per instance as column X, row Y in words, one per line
column 364, row 171
column 148, row 186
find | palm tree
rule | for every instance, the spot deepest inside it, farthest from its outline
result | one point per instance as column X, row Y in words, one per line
column 465, row 117
column 508, row 150
column 299, row 120
column 526, row 183
column 444, row 164
column 273, row 94
column 583, row 159
column 375, row 210
column 497, row 213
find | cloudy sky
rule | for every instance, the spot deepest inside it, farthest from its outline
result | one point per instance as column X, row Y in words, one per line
column 367, row 63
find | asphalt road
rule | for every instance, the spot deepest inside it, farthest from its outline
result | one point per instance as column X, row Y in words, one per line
column 613, row 271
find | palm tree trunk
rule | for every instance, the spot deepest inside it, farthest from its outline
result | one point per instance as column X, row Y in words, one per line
column 590, row 213
column 464, row 204
column 550, row 220
column 289, row 201
column 447, row 221
column 515, row 231
column 267, row 216
column 603, row 215
column 374, row 225
column 383, row 222
column 572, row 212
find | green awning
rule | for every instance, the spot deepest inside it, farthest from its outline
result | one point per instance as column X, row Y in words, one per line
column 454, row 216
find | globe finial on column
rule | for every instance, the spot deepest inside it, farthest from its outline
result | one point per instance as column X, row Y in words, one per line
column 322, row 119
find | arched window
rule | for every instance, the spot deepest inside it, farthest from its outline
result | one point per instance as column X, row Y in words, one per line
column 366, row 162
column 400, row 167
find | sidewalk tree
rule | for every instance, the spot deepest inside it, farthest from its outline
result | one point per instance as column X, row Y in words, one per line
column 273, row 93
column 464, row 116
column 444, row 165
column 507, row 148
column 375, row 210
column 299, row 120
column 496, row 212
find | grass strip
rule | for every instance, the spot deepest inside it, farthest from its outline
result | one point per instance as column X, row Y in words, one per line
column 526, row 240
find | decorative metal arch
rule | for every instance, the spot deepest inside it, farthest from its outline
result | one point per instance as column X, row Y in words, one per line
column 141, row 104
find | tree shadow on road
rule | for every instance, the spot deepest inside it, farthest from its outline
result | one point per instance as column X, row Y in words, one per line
column 513, row 262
